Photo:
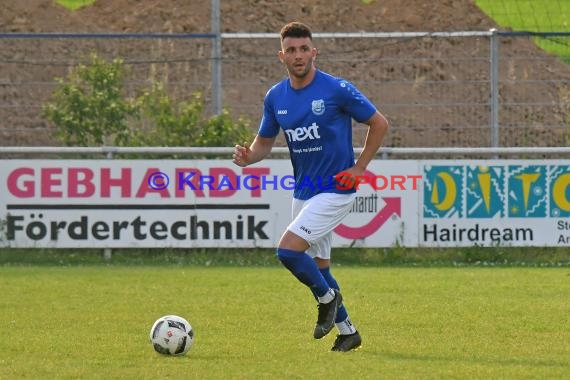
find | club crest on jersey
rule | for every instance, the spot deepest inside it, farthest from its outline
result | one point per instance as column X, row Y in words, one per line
column 318, row 107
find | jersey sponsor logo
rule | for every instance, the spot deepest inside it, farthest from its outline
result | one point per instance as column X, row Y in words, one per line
column 302, row 133
column 318, row 107
column 281, row 112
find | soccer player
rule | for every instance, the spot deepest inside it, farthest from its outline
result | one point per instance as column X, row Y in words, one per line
column 315, row 111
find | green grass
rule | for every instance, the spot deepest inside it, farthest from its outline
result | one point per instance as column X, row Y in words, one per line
column 92, row 322
column 531, row 15
column 534, row 16
column 369, row 257
column 74, row 4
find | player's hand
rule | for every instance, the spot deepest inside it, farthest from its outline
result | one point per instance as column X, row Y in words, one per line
column 241, row 155
column 347, row 178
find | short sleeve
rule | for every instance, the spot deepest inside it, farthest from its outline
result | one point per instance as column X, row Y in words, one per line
column 354, row 102
column 268, row 127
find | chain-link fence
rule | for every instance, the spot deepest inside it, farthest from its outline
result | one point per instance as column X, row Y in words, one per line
column 437, row 89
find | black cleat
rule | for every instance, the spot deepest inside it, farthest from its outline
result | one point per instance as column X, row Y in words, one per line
column 346, row 343
column 327, row 315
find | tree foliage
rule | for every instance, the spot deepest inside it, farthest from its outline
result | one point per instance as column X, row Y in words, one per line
column 90, row 108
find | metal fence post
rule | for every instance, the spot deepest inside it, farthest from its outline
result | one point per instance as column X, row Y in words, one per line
column 494, row 79
column 108, row 252
column 216, row 59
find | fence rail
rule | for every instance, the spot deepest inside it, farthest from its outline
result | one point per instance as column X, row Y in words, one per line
column 447, row 89
column 110, row 151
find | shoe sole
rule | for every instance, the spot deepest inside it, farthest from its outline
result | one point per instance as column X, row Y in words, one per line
column 352, row 349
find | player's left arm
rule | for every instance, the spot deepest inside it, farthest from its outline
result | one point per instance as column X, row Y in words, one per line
column 377, row 127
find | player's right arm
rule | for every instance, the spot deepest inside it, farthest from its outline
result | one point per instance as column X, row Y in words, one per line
column 245, row 155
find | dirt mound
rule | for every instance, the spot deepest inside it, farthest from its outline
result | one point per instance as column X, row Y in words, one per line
column 177, row 16
column 242, row 16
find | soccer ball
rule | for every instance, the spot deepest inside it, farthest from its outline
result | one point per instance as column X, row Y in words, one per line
column 171, row 335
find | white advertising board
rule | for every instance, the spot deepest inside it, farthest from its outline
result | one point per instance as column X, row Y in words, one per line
column 495, row 202
column 178, row 203
column 213, row 203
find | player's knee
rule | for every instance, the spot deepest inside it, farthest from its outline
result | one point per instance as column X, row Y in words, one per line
column 288, row 256
column 283, row 254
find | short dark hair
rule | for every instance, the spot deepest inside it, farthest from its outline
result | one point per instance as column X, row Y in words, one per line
column 296, row 29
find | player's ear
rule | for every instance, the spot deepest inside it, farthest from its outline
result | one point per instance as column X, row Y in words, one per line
column 281, row 55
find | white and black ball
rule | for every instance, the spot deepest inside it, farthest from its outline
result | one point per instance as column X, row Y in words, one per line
column 171, row 335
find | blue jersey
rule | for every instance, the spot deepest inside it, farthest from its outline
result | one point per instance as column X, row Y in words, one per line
column 317, row 122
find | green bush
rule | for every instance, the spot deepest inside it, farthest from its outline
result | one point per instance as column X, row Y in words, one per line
column 90, row 108
column 184, row 124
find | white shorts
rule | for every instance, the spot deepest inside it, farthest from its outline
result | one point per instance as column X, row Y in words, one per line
column 316, row 218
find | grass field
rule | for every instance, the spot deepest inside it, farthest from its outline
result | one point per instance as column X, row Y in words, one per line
column 92, row 322
column 534, row 16
column 74, row 4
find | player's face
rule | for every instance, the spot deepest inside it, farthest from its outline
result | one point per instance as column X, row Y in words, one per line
column 298, row 55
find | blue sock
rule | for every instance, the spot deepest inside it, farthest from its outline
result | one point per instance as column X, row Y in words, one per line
column 305, row 269
column 342, row 314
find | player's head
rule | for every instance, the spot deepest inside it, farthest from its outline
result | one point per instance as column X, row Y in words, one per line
column 297, row 51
